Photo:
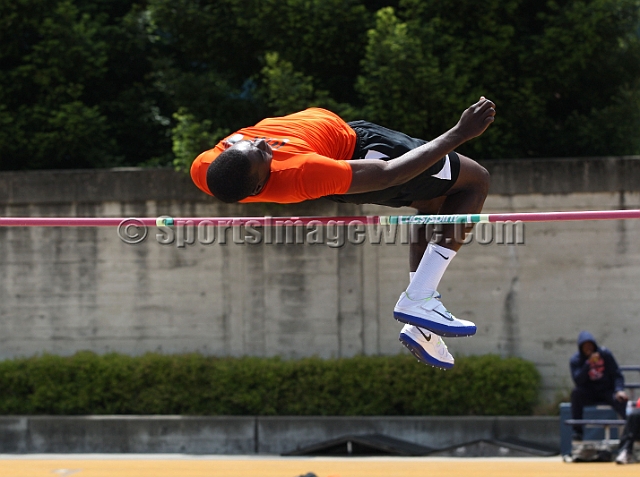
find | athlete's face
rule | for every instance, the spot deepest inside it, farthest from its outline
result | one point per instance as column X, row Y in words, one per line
column 259, row 154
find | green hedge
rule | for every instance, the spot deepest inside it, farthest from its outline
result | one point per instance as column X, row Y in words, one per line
column 193, row 384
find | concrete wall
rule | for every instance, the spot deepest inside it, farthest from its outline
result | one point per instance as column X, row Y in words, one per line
column 253, row 435
column 69, row 289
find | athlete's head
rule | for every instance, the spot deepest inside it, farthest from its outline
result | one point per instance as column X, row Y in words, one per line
column 240, row 171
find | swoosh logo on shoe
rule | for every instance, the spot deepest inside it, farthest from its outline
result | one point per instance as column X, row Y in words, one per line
column 448, row 317
column 428, row 338
column 446, row 258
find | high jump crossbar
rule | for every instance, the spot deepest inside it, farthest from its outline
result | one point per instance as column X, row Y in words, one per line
column 165, row 221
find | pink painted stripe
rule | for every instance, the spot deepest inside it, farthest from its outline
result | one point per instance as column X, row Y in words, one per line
column 151, row 221
column 65, row 221
column 280, row 221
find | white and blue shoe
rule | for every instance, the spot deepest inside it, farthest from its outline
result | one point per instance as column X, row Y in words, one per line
column 426, row 346
column 429, row 313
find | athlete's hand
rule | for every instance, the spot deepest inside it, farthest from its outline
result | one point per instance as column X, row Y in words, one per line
column 476, row 118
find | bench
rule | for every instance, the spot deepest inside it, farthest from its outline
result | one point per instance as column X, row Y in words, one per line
column 591, row 433
column 630, row 367
column 604, row 423
column 601, row 419
column 631, row 386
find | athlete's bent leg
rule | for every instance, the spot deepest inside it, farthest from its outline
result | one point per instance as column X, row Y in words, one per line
column 420, row 304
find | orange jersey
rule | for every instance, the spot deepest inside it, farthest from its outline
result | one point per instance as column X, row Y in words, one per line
column 309, row 153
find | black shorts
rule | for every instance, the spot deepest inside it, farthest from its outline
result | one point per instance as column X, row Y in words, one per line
column 378, row 142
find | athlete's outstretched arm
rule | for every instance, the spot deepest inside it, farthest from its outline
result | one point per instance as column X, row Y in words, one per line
column 376, row 174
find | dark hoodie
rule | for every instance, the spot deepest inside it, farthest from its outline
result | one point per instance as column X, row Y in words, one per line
column 602, row 377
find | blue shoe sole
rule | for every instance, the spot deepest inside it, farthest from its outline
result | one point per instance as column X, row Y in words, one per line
column 419, row 352
column 437, row 328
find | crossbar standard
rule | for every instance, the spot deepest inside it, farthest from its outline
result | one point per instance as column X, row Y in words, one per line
column 166, row 221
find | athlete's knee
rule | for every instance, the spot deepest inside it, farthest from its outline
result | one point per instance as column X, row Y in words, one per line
column 483, row 180
column 473, row 177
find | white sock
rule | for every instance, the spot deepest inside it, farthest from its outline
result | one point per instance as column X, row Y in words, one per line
column 411, row 275
column 427, row 277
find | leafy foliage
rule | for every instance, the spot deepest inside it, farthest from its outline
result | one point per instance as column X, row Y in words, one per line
column 193, row 384
column 556, row 70
column 191, row 137
column 98, row 84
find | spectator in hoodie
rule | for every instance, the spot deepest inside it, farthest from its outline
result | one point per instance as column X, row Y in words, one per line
column 597, row 378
